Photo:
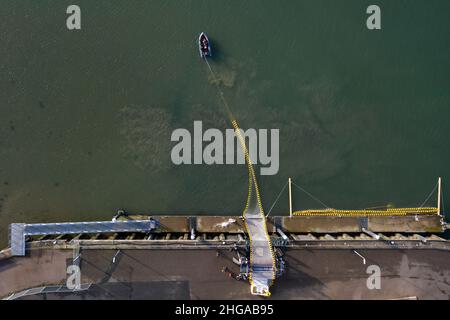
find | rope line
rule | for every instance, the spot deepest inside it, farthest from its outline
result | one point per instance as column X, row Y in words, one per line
column 276, row 200
column 309, row 194
column 252, row 184
column 429, row 196
column 365, row 213
column 375, row 211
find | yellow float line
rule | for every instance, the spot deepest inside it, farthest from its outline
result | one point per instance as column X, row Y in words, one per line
column 252, row 178
column 358, row 213
column 252, row 181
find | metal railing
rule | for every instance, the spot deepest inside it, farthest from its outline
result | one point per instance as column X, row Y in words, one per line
column 47, row 289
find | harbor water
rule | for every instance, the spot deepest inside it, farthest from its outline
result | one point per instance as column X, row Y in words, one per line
column 86, row 115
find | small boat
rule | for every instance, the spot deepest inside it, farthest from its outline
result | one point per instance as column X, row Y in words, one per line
column 204, row 46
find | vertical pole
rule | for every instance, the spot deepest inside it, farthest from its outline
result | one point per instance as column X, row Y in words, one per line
column 439, row 196
column 290, row 197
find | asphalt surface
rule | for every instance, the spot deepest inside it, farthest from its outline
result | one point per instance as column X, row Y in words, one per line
column 198, row 274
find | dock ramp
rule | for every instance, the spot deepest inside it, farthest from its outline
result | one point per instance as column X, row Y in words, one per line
column 262, row 272
column 262, row 258
column 19, row 231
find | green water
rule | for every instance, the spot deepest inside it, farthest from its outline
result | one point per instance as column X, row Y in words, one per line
column 86, row 116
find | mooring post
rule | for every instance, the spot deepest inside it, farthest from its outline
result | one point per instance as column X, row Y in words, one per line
column 290, row 197
column 439, row 196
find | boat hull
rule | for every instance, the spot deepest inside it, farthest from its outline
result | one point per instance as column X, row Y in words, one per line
column 204, row 46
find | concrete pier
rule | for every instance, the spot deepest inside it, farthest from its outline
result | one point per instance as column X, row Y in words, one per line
column 166, row 262
column 431, row 223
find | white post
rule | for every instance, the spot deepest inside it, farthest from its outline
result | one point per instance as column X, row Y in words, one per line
column 439, row 196
column 290, row 197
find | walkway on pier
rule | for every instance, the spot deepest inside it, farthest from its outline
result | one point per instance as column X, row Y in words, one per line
column 19, row 231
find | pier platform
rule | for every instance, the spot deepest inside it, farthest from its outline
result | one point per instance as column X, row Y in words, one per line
column 189, row 257
column 190, row 227
column 424, row 223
